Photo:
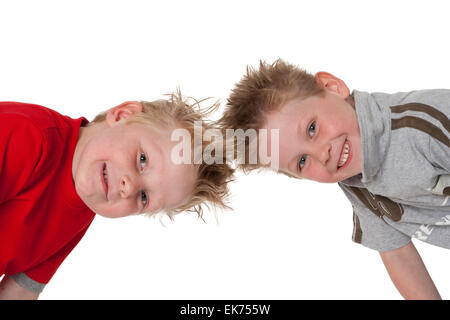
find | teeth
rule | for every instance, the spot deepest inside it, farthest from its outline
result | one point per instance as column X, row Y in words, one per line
column 344, row 157
column 105, row 175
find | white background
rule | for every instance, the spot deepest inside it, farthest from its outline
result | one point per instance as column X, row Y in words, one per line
column 285, row 239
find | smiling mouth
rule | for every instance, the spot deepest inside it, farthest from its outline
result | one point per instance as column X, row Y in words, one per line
column 345, row 155
column 105, row 179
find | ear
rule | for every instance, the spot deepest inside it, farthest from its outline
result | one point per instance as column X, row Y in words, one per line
column 332, row 84
column 123, row 111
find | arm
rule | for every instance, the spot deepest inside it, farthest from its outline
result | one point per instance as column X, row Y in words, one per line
column 10, row 290
column 409, row 274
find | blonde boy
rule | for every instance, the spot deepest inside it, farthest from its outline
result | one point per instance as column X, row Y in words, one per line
column 58, row 172
column 390, row 154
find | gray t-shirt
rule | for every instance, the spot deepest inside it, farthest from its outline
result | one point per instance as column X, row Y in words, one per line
column 404, row 189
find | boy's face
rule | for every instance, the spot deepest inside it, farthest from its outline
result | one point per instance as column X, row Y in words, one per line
column 319, row 137
column 121, row 169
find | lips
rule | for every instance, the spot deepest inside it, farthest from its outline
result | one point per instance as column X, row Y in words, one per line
column 104, row 179
column 346, row 155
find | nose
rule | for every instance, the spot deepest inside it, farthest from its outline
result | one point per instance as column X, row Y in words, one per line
column 323, row 153
column 127, row 187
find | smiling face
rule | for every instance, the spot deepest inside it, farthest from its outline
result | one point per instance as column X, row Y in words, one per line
column 319, row 137
column 121, row 169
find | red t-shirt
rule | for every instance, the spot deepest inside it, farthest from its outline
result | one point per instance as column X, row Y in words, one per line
column 42, row 218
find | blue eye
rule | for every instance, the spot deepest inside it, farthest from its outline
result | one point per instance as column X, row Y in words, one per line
column 142, row 164
column 143, row 160
column 144, row 198
column 302, row 162
column 312, row 129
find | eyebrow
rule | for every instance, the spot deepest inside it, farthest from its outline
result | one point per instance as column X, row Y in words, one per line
column 300, row 126
column 289, row 173
column 162, row 166
column 158, row 207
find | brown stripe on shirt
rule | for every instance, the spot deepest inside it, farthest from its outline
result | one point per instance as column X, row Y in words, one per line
column 420, row 107
column 357, row 236
column 422, row 125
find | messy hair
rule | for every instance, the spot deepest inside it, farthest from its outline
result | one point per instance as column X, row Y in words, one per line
column 211, row 186
column 262, row 91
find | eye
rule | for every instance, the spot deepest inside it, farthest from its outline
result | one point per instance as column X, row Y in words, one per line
column 142, row 164
column 312, row 129
column 143, row 198
column 302, row 162
column 142, row 160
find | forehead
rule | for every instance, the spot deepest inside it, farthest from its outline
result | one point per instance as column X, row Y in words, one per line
column 286, row 118
column 179, row 182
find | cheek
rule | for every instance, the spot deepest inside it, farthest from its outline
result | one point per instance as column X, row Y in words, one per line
column 335, row 125
column 318, row 173
column 351, row 121
column 120, row 209
column 98, row 148
column 111, row 141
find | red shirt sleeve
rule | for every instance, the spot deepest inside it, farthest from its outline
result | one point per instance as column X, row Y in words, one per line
column 43, row 272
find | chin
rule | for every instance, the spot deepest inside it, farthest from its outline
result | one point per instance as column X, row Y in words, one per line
column 111, row 215
column 108, row 215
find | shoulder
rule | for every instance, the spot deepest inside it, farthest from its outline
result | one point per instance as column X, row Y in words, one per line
column 22, row 125
column 39, row 116
column 27, row 132
column 19, row 122
column 430, row 102
column 426, row 113
column 21, row 144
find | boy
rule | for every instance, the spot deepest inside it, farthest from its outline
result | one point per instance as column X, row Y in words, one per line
column 390, row 153
column 58, row 172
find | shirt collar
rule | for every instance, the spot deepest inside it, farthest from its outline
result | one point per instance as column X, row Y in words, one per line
column 375, row 128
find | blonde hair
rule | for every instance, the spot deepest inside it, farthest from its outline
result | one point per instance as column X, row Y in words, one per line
column 211, row 187
column 263, row 91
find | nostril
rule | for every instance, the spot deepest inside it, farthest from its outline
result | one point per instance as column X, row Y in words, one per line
column 327, row 153
column 126, row 186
